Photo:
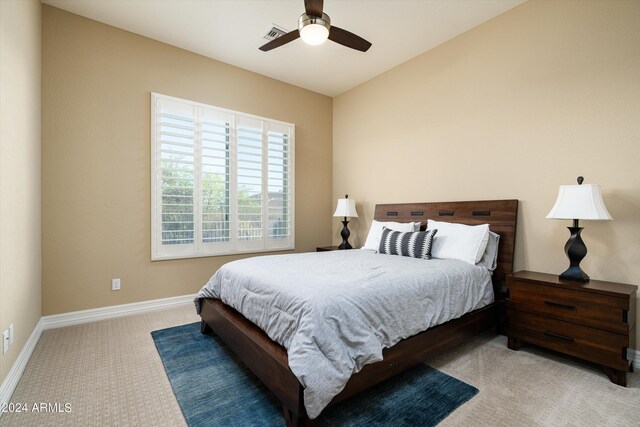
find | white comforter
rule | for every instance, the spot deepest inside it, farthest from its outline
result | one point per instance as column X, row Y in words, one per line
column 334, row 312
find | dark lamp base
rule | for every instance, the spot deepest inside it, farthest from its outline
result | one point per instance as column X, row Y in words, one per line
column 576, row 251
column 345, row 236
column 575, row 274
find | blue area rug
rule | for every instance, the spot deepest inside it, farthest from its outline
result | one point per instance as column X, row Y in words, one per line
column 214, row 388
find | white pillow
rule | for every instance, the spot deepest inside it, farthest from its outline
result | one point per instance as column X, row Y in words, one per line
column 375, row 232
column 458, row 241
column 490, row 258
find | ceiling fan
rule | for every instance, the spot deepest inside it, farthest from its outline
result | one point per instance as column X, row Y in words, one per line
column 314, row 27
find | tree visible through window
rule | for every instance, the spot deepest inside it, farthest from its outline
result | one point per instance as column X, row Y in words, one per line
column 222, row 181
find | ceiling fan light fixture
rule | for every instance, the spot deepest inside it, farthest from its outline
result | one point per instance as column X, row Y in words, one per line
column 314, row 27
column 314, row 30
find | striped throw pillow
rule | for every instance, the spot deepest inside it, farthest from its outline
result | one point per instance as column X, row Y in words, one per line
column 416, row 244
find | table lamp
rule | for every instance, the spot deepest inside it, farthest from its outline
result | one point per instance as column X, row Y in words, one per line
column 578, row 202
column 346, row 208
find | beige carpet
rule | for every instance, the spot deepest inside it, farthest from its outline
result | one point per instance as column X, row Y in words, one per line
column 111, row 375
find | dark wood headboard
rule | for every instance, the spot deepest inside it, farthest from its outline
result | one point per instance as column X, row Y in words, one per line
column 501, row 215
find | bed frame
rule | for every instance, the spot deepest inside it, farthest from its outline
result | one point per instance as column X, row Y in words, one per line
column 268, row 359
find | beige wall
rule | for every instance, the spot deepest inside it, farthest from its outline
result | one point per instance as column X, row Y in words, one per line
column 511, row 109
column 96, row 158
column 19, row 173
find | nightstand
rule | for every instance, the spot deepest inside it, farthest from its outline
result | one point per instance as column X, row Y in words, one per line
column 328, row 248
column 594, row 321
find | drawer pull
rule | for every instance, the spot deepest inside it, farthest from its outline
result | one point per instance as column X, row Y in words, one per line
column 560, row 337
column 560, row 305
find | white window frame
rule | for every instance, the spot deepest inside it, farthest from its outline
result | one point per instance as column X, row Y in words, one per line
column 234, row 246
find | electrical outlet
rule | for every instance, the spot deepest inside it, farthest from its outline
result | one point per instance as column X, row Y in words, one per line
column 5, row 341
column 11, row 334
column 115, row 284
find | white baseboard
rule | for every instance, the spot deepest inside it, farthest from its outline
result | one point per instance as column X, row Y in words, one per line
column 76, row 318
column 102, row 313
column 11, row 381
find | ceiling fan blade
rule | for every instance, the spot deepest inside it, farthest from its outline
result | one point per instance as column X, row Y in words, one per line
column 284, row 39
column 348, row 39
column 313, row 7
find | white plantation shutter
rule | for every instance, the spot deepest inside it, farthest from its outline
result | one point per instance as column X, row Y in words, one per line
column 222, row 181
column 215, row 187
column 250, row 186
column 176, row 151
column 279, row 178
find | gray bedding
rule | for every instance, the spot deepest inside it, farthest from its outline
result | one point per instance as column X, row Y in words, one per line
column 335, row 312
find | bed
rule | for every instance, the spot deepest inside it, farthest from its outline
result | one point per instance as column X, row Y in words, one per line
column 271, row 363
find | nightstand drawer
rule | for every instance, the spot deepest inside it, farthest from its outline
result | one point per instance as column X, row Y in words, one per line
column 599, row 311
column 605, row 348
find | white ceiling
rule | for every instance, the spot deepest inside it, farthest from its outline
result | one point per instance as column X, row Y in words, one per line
column 232, row 30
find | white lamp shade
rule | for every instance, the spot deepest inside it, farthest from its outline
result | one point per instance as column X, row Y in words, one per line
column 346, row 207
column 579, row 202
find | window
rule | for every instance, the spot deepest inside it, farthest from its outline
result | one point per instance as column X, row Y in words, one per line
column 222, row 181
